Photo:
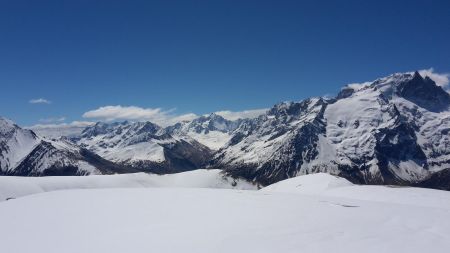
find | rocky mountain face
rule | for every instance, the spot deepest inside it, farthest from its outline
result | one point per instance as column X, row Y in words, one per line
column 394, row 130
column 274, row 146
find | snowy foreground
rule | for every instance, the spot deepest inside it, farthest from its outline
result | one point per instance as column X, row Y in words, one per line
column 314, row 213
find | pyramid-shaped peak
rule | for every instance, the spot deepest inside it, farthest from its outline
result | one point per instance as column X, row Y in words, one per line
column 417, row 75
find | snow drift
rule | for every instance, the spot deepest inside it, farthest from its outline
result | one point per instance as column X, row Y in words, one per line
column 322, row 184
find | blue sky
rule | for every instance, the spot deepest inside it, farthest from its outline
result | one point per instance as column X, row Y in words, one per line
column 177, row 57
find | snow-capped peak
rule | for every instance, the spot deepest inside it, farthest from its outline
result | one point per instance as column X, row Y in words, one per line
column 5, row 121
column 6, row 125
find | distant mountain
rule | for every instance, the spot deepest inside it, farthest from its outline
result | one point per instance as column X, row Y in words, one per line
column 211, row 130
column 23, row 153
column 394, row 130
column 144, row 146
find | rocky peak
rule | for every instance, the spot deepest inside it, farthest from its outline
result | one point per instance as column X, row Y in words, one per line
column 345, row 92
column 146, row 127
column 8, row 129
column 6, row 125
column 294, row 110
column 97, row 129
column 116, row 128
column 212, row 122
column 425, row 93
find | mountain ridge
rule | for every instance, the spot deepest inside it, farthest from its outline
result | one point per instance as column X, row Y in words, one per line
column 393, row 130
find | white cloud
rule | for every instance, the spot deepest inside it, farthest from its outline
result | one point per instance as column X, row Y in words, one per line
column 230, row 115
column 358, row 86
column 40, row 101
column 135, row 113
column 114, row 112
column 63, row 125
column 441, row 79
column 50, row 120
column 62, row 129
column 184, row 117
column 158, row 115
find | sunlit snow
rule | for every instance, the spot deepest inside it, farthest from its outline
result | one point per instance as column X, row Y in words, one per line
column 313, row 213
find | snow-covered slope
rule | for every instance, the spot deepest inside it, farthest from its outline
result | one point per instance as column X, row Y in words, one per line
column 335, row 219
column 323, row 184
column 14, row 187
column 318, row 183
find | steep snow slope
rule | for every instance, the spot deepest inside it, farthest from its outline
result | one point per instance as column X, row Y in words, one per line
column 15, row 144
column 13, row 187
column 432, row 132
column 394, row 129
column 55, row 158
column 358, row 126
column 215, row 220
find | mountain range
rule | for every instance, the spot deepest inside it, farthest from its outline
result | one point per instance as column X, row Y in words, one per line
column 394, row 130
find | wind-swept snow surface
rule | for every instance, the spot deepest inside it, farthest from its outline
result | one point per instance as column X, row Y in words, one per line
column 310, row 184
column 13, row 187
column 332, row 216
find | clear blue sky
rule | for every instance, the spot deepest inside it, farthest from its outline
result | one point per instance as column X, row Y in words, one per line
column 204, row 56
